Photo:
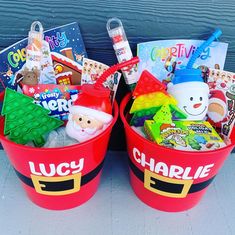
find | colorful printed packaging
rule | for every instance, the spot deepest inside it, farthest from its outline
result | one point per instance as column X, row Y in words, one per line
column 221, row 108
column 184, row 135
column 66, row 49
column 163, row 57
column 56, row 98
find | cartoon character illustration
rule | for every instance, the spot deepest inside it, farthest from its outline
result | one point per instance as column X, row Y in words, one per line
column 10, row 75
column 205, row 72
column 170, row 64
column 217, row 66
column 79, row 57
column 225, row 81
column 173, row 135
column 179, row 140
column 195, row 104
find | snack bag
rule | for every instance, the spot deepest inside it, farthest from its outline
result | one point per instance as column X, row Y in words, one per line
column 56, row 98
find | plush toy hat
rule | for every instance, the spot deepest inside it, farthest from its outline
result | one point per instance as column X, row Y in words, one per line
column 95, row 105
column 217, row 109
column 217, row 96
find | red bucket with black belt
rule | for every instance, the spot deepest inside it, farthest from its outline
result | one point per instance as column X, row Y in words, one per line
column 59, row 178
column 168, row 179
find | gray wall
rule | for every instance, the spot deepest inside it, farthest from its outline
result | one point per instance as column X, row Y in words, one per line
column 143, row 21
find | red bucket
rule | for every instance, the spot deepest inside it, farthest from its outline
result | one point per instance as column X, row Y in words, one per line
column 59, row 178
column 168, row 179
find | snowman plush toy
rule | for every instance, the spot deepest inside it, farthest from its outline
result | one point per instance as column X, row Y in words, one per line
column 191, row 92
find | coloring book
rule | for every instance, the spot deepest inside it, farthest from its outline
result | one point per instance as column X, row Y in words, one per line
column 64, row 40
column 163, row 57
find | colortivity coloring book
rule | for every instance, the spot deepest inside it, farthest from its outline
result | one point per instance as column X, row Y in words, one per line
column 65, row 40
column 163, row 57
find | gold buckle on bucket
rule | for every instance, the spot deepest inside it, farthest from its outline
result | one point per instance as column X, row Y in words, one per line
column 148, row 180
column 39, row 185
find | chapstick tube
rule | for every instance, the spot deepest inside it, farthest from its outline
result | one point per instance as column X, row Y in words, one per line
column 122, row 49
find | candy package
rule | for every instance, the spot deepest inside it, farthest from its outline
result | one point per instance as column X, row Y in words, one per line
column 184, row 135
column 56, row 98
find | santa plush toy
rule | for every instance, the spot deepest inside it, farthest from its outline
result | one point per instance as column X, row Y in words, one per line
column 90, row 114
column 217, row 108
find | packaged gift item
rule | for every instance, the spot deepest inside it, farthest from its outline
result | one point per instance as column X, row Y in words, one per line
column 221, row 109
column 163, row 57
column 184, row 135
column 56, row 98
column 122, row 49
column 38, row 67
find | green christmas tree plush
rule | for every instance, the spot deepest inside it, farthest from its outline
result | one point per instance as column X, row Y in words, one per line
column 26, row 121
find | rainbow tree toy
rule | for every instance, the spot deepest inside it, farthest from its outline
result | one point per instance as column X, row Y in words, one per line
column 150, row 97
column 26, row 121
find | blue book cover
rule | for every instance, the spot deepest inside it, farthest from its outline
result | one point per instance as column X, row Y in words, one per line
column 163, row 57
column 65, row 40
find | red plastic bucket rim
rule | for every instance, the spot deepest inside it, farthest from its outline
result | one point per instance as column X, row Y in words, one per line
column 123, row 104
column 115, row 111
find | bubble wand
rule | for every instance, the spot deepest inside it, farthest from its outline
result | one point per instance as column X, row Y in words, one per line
column 34, row 48
column 122, row 49
column 204, row 45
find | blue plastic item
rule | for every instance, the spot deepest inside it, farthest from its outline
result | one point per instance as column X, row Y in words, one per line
column 204, row 45
column 187, row 75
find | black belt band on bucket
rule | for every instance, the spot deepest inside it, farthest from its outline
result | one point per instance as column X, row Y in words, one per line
column 67, row 183
column 168, row 188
